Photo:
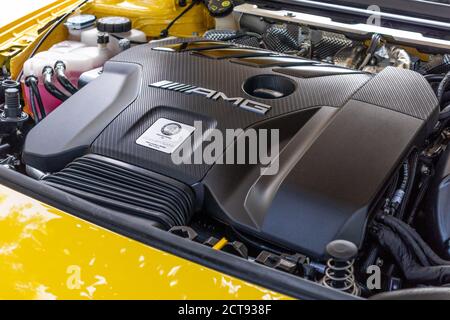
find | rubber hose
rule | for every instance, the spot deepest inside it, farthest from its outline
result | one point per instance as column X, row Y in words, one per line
column 32, row 81
column 399, row 194
column 443, row 86
column 60, row 69
column 394, row 184
column 409, row 240
column 253, row 23
column 434, row 77
column 374, row 249
column 409, row 187
column 390, row 241
column 37, row 94
column 47, row 74
column 241, row 34
column 445, row 113
column 424, row 188
column 409, row 232
column 33, row 104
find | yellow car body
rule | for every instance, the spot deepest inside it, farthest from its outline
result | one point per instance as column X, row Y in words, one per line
column 46, row 253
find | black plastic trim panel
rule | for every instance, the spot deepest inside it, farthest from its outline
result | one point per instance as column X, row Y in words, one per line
column 119, row 86
column 127, row 188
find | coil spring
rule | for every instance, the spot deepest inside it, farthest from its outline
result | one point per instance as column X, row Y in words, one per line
column 341, row 276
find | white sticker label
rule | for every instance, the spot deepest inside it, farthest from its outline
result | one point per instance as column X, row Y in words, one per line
column 165, row 135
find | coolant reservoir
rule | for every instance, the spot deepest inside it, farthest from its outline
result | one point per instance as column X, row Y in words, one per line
column 118, row 28
column 84, row 28
column 78, row 58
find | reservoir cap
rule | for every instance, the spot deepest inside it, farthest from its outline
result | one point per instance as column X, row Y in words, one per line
column 220, row 8
column 81, row 21
column 114, row 24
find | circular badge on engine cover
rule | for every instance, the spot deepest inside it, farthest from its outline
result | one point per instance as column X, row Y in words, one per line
column 171, row 129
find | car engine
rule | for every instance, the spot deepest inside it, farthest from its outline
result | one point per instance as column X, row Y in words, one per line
column 357, row 176
column 321, row 110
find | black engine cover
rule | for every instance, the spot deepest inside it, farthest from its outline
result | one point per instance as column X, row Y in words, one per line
column 342, row 133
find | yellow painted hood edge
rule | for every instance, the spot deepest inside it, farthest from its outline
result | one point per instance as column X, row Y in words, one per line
column 49, row 254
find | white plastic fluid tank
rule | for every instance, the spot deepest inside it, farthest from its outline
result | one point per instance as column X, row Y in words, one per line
column 78, row 58
column 118, row 28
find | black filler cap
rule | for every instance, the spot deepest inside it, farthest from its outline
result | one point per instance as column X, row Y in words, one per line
column 114, row 24
column 220, row 8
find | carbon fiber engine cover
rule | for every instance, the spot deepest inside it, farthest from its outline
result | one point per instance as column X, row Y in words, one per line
column 342, row 133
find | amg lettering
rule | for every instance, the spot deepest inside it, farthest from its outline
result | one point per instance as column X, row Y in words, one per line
column 240, row 102
column 220, row 95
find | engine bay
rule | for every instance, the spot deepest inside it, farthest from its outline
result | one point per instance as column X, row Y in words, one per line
column 350, row 133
